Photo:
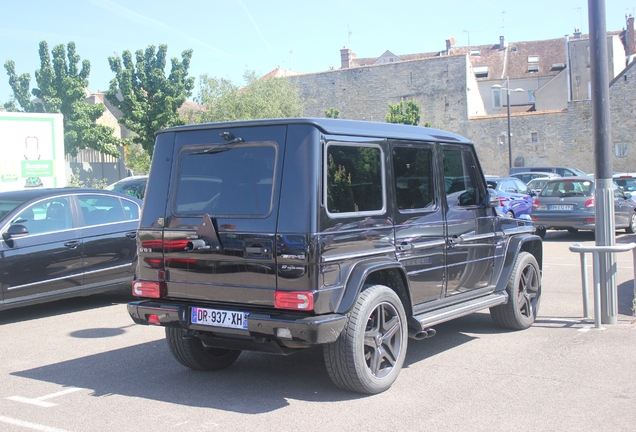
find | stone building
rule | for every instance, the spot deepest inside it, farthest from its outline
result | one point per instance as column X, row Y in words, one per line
column 459, row 89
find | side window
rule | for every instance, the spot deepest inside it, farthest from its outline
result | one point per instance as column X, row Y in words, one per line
column 413, row 169
column 101, row 209
column 355, row 179
column 46, row 216
column 460, row 177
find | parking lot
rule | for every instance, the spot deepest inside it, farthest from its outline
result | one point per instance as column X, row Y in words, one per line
column 82, row 365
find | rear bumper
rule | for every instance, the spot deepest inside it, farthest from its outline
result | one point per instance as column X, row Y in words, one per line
column 305, row 330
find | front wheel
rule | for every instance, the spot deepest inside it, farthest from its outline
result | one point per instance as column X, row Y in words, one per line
column 368, row 355
column 631, row 228
column 540, row 231
column 193, row 353
column 524, row 293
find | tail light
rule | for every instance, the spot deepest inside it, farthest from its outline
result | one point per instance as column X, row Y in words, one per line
column 502, row 201
column 535, row 203
column 589, row 203
column 294, row 300
column 149, row 289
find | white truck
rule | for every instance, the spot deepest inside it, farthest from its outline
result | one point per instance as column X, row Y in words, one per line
column 32, row 151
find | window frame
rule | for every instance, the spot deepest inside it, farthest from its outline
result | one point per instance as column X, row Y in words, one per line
column 325, row 182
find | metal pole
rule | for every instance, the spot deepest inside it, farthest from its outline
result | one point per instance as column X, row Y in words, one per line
column 604, row 195
column 509, row 134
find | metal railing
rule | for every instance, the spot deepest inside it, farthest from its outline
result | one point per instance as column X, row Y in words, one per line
column 611, row 303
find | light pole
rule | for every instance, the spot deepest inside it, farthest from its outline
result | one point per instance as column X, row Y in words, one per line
column 508, row 90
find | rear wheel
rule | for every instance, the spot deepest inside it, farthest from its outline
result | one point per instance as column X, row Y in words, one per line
column 368, row 355
column 193, row 353
column 524, row 293
column 631, row 228
column 510, row 214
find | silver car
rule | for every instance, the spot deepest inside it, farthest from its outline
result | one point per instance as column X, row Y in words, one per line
column 567, row 203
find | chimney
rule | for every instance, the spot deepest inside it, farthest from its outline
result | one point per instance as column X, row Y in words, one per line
column 630, row 35
column 577, row 33
column 502, row 42
column 346, row 56
column 450, row 43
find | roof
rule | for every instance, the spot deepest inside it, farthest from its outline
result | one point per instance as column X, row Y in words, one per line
column 338, row 127
column 512, row 61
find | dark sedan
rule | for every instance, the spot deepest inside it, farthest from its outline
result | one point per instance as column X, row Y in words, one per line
column 59, row 243
column 568, row 204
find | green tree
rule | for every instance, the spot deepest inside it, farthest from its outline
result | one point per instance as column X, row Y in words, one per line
column 332, row 113
column 404, row 112
column 61, row 89
column 137, row 159
column 147, row 98
column 259, row 98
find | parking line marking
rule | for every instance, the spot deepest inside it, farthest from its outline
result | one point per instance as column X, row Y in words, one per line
column 40, row 400
column 30, row 425
column 567, row 320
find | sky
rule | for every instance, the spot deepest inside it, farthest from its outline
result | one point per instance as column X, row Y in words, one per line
column 230, row 37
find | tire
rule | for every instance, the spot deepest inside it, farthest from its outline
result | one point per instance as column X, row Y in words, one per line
column 524, row 294
column 540, row 231
column 631, row 228
column 193, row 353
column 368, row 355
column 573, row 230
column 510, row 214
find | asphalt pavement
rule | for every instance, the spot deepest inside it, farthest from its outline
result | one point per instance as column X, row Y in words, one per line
column 82, row 365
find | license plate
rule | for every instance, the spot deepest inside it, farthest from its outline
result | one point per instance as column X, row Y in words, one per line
column 219, row 318
column 561, row 207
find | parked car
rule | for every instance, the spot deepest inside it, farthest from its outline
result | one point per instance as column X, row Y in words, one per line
column 562, row 171
column 526, row 176
column 66, row 242
column 568, row 204
column 515, row 199
column 626, row 181
column 346, row 234
column 134, row 186
column 535, row 185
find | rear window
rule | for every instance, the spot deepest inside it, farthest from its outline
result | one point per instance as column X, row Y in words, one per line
column 627, row 184
column 568, row 188
column 235, row 181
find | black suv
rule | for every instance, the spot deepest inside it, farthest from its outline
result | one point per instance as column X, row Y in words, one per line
column 278, row 235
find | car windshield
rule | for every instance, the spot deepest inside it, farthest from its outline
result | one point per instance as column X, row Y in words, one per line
column 7, row 205
column 568, row 188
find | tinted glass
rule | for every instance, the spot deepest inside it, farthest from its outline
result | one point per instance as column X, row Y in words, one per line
column 6, row 206
column 50, row 215
column 354, row 179
column 413, row 168
column 103, row 209
column 235, row 181
column 460, row 177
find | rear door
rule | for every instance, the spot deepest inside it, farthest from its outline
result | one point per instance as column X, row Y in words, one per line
column 109, row 235
column 220, row 235
column 419, row 220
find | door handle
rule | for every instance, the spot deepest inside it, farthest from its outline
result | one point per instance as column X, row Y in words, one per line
column 72, row 244
column 131, row 235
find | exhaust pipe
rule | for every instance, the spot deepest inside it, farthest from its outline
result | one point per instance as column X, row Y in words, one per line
column 422, row 334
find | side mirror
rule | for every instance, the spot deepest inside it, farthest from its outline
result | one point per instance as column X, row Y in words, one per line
column 14, row 232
